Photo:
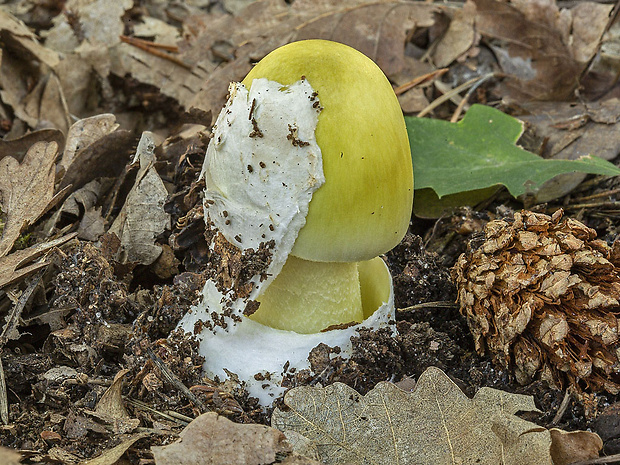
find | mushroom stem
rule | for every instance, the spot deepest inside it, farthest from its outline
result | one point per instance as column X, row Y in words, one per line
column 307, row 296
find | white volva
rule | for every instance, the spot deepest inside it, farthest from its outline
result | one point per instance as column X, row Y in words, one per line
column 263, row 165
column 261, row 168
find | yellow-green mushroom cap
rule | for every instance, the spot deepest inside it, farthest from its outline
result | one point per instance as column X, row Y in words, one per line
column 364, row 207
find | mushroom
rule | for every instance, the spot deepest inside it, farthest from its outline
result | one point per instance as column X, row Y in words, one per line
column 308, row 180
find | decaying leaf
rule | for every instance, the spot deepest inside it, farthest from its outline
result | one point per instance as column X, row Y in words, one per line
column 142, row 218
column 112, row 456
column 459, row 38
column 111, row 403
column 436, row 423
column 15, row 31
column 268, row 24
column 542, row 50
column 541, row 294
column 82, row 203
column 213, row 439
column 574, row 446
column 85, row 132
column 17, row 148
column 26, row 190
column 19, row 264
column 569, row 130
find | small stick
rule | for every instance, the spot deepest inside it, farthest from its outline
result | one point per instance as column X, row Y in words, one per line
column 601, row 460
column 448, row 95
column 593, row 205
column 562, row 410
column 459, row 108
column 4, row 400
column 596, row 196
column 182, row 419
column 438, row 304
column 154, row 49
column 176, row 382
column 420, row 80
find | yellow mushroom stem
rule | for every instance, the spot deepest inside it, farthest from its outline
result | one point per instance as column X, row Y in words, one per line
column 307, row 296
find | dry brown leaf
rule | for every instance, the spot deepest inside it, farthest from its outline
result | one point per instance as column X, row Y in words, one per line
column 26, row 190
column 212, row 439
column 589, row 20
column 112, row 456
column 84, row 133
column 435, row 423
column 111, row 403
column 47, row 102
column 570, row 131
column 106, row 157
column 92, row 225
column 226, row 46
column 100, row 22
column 377, row 29
column 542, row 49
column 459, row 37
column 82, row 203
column 39, row 99
column 142, row 217
column 18, row 265
column 17, row 148
column 16, row 33
column 26, row 96
column 83, row 76
column 574, row 446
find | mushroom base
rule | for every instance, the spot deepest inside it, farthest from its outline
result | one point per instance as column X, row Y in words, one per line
column 257, row 354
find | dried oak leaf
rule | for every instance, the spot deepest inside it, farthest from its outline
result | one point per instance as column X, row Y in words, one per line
column 435, row 423
column 142, row 217
column 567, row 131
column 212, row 439
column 26, row 190
column 542, row 49
column 377, row 29
column 541, row 294
column 113, row 455
column 23, row 263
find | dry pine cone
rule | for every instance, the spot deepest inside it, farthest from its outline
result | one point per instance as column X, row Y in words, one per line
column 541, row 294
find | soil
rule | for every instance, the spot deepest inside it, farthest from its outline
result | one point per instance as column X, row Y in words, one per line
column 104, row 322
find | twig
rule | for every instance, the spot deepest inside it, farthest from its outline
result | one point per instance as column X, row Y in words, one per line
column 461, row 105
column 438, row 304
column 448, row 95
column 601, row 460
column 595, row 181
column 182, row 419
column 562, row 409
column 420, row 80
column 579, row 206
column 4, row 399
column 596, row 196
column 155, row 49
column 175, row 381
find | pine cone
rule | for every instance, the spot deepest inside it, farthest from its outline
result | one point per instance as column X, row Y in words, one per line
column 541, row 294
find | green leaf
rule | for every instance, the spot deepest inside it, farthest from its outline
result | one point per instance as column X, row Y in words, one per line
column 479, row 151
